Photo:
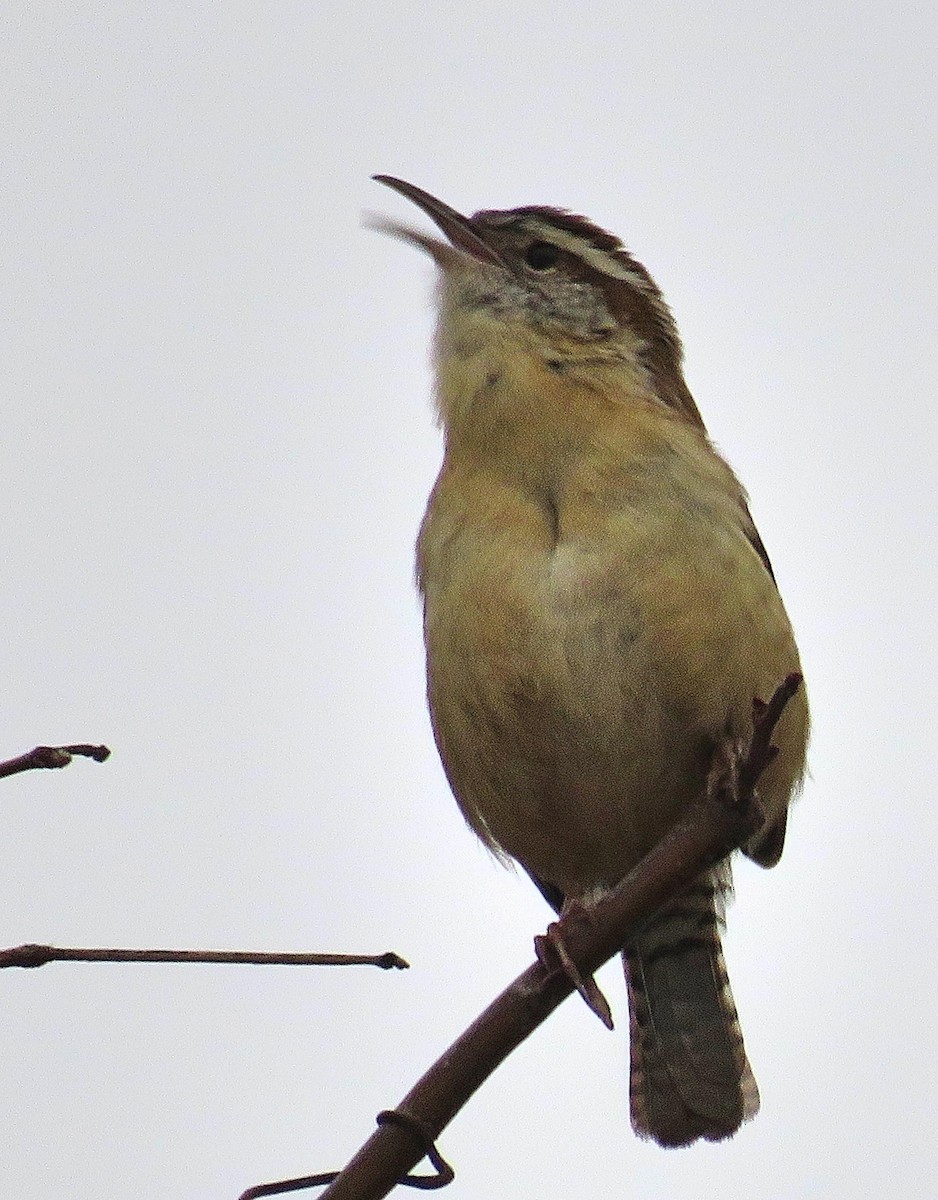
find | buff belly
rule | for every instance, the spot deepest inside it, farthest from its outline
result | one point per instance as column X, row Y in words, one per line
column 577, row 686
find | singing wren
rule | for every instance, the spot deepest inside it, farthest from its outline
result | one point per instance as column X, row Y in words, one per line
column 599, row 614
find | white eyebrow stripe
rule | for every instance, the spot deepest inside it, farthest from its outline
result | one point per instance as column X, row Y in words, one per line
column 600, row 260
column 607, row 264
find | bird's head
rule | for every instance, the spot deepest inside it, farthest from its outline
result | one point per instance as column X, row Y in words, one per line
column 552, row 283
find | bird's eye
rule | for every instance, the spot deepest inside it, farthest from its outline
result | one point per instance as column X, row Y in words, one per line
column 541, row 255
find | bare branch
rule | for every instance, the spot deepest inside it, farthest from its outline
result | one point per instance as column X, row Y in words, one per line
column 720, row 821
column 32, row 955
column 51, row 757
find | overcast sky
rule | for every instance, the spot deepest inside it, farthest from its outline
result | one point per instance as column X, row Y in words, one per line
column 217, row 447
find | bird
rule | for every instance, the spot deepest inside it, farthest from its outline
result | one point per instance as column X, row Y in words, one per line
column 600, row 614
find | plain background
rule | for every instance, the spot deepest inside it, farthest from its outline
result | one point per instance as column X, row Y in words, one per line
column 217, row 443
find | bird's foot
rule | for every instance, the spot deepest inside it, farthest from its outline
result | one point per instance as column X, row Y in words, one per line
column 552, row 954
column 723, row 775
column 730, row 777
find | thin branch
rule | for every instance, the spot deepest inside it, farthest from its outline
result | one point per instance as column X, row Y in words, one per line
column 32, row 955
column 720, row 821
column 51, row 757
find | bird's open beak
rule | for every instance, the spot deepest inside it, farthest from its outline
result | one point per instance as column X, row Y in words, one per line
column 460, row 231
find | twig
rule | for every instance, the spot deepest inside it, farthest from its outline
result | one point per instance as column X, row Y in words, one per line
column 50, row 757
column 716, row 824
column 426, row 1183
column 32, row 955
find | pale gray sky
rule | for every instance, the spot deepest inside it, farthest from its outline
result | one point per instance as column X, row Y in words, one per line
column 218, row 442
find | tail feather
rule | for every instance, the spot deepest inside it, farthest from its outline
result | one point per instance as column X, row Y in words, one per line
column 690, row 1077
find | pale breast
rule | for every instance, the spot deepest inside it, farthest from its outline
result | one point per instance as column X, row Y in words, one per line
column 579, row 673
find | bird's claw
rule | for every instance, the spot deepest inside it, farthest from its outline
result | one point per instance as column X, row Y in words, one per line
column 552, row 954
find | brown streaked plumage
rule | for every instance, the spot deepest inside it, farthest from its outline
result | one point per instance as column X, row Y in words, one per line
column 599, row 613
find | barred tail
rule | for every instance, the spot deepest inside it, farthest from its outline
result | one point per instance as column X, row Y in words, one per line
column 690, row 1077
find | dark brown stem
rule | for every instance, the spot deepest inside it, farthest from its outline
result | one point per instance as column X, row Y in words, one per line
column 50, row 757
column 37, row 956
